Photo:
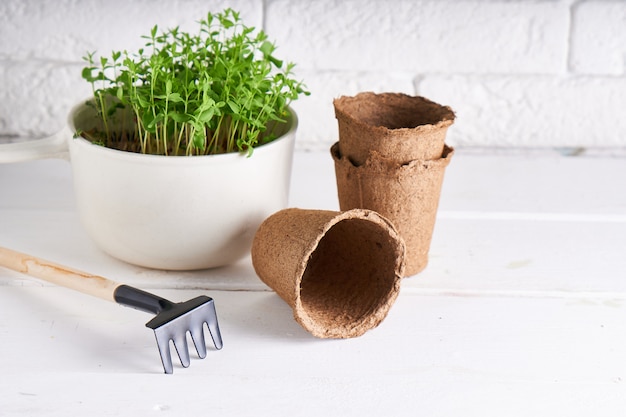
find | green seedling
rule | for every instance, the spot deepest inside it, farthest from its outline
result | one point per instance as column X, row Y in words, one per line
column 220, row 90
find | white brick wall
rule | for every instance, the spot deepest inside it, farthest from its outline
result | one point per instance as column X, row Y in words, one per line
column 518, row 73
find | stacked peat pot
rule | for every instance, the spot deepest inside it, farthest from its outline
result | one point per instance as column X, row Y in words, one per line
column 390, row 158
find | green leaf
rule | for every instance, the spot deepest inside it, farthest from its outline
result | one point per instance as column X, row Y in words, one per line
column 198, row 140
column 275, row 61
column 179, row 117
column 175, row 98
column 143, row 103
column 267, row 48
column 86, row 74
column 148, row 122
column 233, row 106
column 206, row 116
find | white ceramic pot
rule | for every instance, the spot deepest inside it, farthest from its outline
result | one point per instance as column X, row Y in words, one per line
column 165, row 212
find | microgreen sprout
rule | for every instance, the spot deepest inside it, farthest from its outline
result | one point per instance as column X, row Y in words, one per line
column 220, row 90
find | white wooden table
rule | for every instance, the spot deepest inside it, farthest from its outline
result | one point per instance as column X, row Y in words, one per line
column 521, row 312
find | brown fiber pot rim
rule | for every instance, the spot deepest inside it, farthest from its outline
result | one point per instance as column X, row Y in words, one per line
column 390, row 112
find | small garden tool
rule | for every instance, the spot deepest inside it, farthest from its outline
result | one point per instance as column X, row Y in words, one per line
column 172, row 320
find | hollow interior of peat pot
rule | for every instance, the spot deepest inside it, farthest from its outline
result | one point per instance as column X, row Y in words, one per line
column 350, row 275
column 397, row 111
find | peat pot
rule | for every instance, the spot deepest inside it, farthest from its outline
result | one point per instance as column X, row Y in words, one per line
column 398, row 127
column 390, row 158
column 340, row 272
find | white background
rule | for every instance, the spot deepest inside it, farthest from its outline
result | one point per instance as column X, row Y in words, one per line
column 518, row 73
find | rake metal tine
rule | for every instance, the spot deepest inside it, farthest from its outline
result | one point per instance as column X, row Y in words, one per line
column 163, row 343
column 180, row 343
column 212, row 324
column 197, row 335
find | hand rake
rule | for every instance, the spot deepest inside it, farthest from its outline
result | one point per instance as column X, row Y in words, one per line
column 172, row 320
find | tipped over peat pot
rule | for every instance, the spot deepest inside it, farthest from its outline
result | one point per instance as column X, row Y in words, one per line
column 339, row 271
column 390, row 158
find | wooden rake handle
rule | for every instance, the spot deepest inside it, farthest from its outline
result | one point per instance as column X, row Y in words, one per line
column 58, row 274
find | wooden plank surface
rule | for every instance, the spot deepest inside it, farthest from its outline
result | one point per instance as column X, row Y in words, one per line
column 64, row 354
column 520, row 312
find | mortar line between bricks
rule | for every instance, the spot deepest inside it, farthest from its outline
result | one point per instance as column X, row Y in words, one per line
column 570, row 35
column 55, row 62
